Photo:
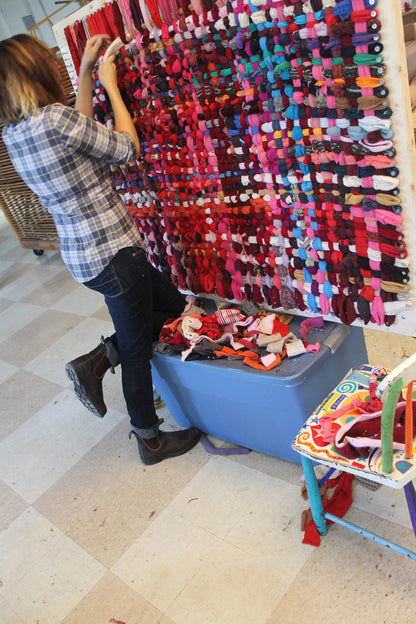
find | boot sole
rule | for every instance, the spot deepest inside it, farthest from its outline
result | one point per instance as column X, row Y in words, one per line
column 80, row 391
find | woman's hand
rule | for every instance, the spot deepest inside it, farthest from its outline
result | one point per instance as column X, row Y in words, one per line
column 93, row 48
column 107, row 73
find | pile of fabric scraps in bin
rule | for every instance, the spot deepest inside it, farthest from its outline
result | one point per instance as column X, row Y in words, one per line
column 261, row 340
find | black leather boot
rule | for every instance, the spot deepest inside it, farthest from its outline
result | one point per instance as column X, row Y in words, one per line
column 87, row 372
column 166, row 444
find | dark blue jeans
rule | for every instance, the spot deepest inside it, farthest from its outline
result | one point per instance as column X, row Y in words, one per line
column 139, row 299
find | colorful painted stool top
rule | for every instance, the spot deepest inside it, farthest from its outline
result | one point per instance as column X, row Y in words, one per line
column 317, row 437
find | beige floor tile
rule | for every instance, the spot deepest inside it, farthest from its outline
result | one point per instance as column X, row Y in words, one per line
column 4, row 303
column 165, row 558
column 274, row 466
column 48, row 574
column 217, row 497
column 7, row 614
column 49, row 292
column 5, row 263
column 101, row 513
column 102, row 313
column 79, row 338
column 111, row 600
column 112, row 390
column 8, row 245
column 6, row 370
column 231, row 586
column 80, row 300
column 11, row 249
column 385, row 502
column 352, row 579
column 32, row 278
column 119, row 455
column 11, row 506
column 270, row 528
column 37, row 336
column 39, row 452
column 17, row 316
column 22, row 395
column 388, row 349
column 9, row 273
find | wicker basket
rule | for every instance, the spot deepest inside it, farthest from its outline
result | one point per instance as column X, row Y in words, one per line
column 31, row 222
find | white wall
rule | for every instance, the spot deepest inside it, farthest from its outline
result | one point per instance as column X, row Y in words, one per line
column 12, row 11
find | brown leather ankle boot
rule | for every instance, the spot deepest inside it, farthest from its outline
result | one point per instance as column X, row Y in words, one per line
column 166, row 444
column 87, row 372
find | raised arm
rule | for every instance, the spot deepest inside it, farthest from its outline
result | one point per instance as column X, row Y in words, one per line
column 107, row 74
column 94, row 46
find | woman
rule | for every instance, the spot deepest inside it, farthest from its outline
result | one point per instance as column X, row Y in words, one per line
column 63, row 155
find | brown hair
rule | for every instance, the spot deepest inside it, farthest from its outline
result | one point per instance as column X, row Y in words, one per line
column 29, row 77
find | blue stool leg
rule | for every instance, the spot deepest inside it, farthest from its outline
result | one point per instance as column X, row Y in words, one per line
column 410, row 493
column 314, row 495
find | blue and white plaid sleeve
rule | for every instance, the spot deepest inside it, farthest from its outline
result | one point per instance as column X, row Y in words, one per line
column 86, row 135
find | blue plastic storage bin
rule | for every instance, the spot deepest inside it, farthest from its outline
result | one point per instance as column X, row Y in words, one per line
column 260, row 410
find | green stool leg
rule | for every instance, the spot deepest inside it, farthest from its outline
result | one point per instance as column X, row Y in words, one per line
column 387, row 424
column 314, row 495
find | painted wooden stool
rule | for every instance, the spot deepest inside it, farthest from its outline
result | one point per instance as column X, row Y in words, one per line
column 379, row 446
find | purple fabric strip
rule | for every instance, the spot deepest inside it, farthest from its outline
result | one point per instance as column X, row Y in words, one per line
column 361, row 39
column 214, row 450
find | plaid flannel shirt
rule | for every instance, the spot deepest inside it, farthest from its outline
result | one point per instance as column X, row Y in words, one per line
column 64, row 157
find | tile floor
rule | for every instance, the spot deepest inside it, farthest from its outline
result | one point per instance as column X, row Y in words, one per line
column 91, row 536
